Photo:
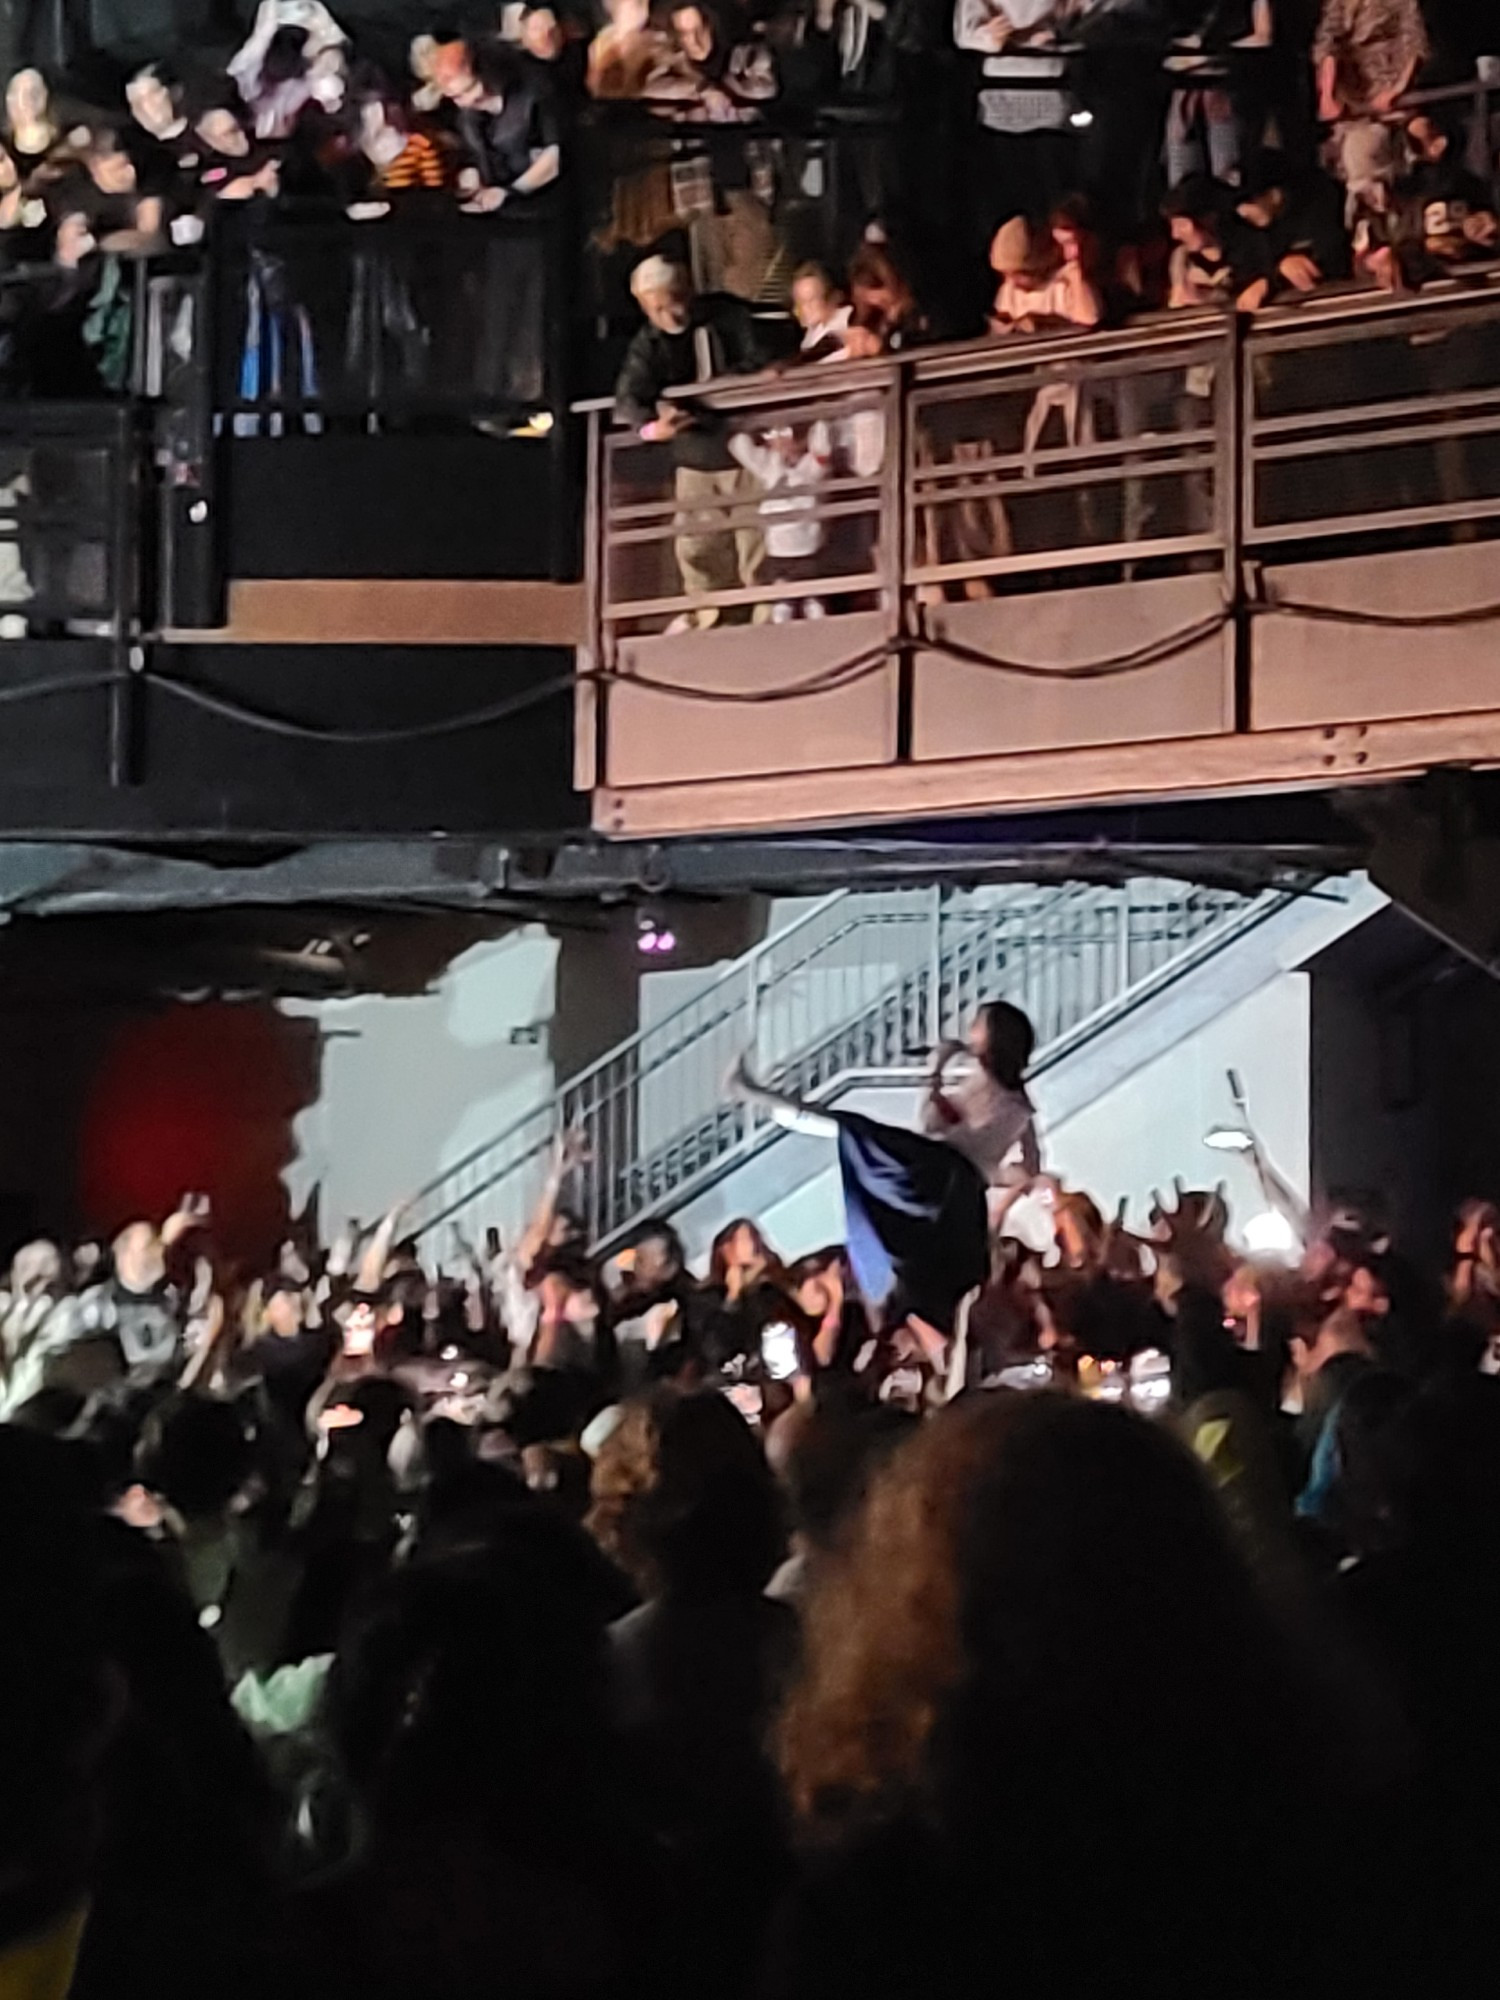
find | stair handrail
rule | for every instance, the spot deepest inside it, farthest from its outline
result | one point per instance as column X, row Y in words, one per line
column 531, row 1133
column 737, row 971
column 759, row 1130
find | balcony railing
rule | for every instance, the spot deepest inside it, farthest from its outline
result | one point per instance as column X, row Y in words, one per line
column 941, row 540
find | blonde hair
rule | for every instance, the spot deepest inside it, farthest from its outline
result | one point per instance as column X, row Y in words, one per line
column 657, row 274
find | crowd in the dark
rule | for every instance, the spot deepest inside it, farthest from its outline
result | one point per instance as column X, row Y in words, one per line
column 566, row 1624
column 1104, row 158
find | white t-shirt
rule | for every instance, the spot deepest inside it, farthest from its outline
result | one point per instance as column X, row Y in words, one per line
column 993, row 1122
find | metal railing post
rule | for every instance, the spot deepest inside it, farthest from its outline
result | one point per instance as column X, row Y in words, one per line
column 127, row 658
column 895, row 539
column 752, row 1000
column 1122, row 943
column 935, row 968
column 1236, row 471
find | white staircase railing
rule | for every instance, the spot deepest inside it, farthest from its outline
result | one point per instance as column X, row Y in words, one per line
column 859, row 985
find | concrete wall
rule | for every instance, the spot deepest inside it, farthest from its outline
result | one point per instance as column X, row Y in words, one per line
column 1151, row 1125
column 409, row 1085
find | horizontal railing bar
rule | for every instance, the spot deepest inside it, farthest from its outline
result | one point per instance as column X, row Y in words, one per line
column 1267, row 452
column 1260, row 427
column 764, row 392
column 711, row 517
column 932, row 365
column 1175, row 545
column 729, row 600
column 1009, row 352
column 1060, row 482
column 1115, row 451
column 1321, row 315
column 669, row 509
column 1011, row 379
column 1436, row 515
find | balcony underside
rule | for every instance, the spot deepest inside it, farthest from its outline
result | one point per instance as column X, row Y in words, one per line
column 1313, row 702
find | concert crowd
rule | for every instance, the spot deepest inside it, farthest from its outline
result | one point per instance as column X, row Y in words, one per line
column 1036, row 165
column 567, row 1623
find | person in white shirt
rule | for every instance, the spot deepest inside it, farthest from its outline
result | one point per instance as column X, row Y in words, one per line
column 822, row 313
column 37, row 1321
column 787, row 468
column 987, row 1115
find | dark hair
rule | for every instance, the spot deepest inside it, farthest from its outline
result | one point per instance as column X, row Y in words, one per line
column 833, row 1459
column 873, row 265
column 820, row 272
column 1009, row 1042
column 1198, row 199
column 285, row 57
column 196, row 1452
column 212, row 93
column 1013, row 1544
column 52, row 1675
column 657, row 1231
column 718, row 1256
column 450, row 1635
column 496, row 66
column 369, row 84
column 684, row 1499
column 1073, row 211
column 165, row 73
column 1269, row 171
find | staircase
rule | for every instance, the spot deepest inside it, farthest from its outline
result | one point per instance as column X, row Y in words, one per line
column 853, row 990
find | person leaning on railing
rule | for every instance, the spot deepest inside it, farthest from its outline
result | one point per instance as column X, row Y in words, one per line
column 690, row 338
column 507, row 123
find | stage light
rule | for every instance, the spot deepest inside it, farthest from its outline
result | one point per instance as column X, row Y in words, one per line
column 1269, row 1234
column 1081, row 119
column 654, row 936
column 1229, row 1139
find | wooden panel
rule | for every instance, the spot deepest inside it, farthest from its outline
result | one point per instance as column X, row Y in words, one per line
column 1310, row 670
column 659, row 738
column 964, row 710
column 1203, row 767
column 398, row 611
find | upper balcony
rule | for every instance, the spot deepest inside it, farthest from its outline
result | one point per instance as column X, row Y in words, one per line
column 1194, row 557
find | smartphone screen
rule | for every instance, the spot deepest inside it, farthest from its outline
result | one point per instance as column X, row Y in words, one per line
column 778, row 1350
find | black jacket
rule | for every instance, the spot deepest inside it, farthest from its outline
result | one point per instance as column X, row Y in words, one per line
column 720, row 339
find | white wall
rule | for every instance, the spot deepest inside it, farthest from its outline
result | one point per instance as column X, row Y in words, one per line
column 1151, row 1125
column 409, row 1085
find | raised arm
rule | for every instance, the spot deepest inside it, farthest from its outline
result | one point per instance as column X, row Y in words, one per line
column 370, row 1271
column 569, row 1152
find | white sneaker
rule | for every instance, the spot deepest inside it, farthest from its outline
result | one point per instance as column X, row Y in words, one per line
column 782, row 614
column 683, row 622
column 814, row 607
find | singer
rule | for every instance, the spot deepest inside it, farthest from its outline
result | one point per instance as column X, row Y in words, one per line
column 917, row 1203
